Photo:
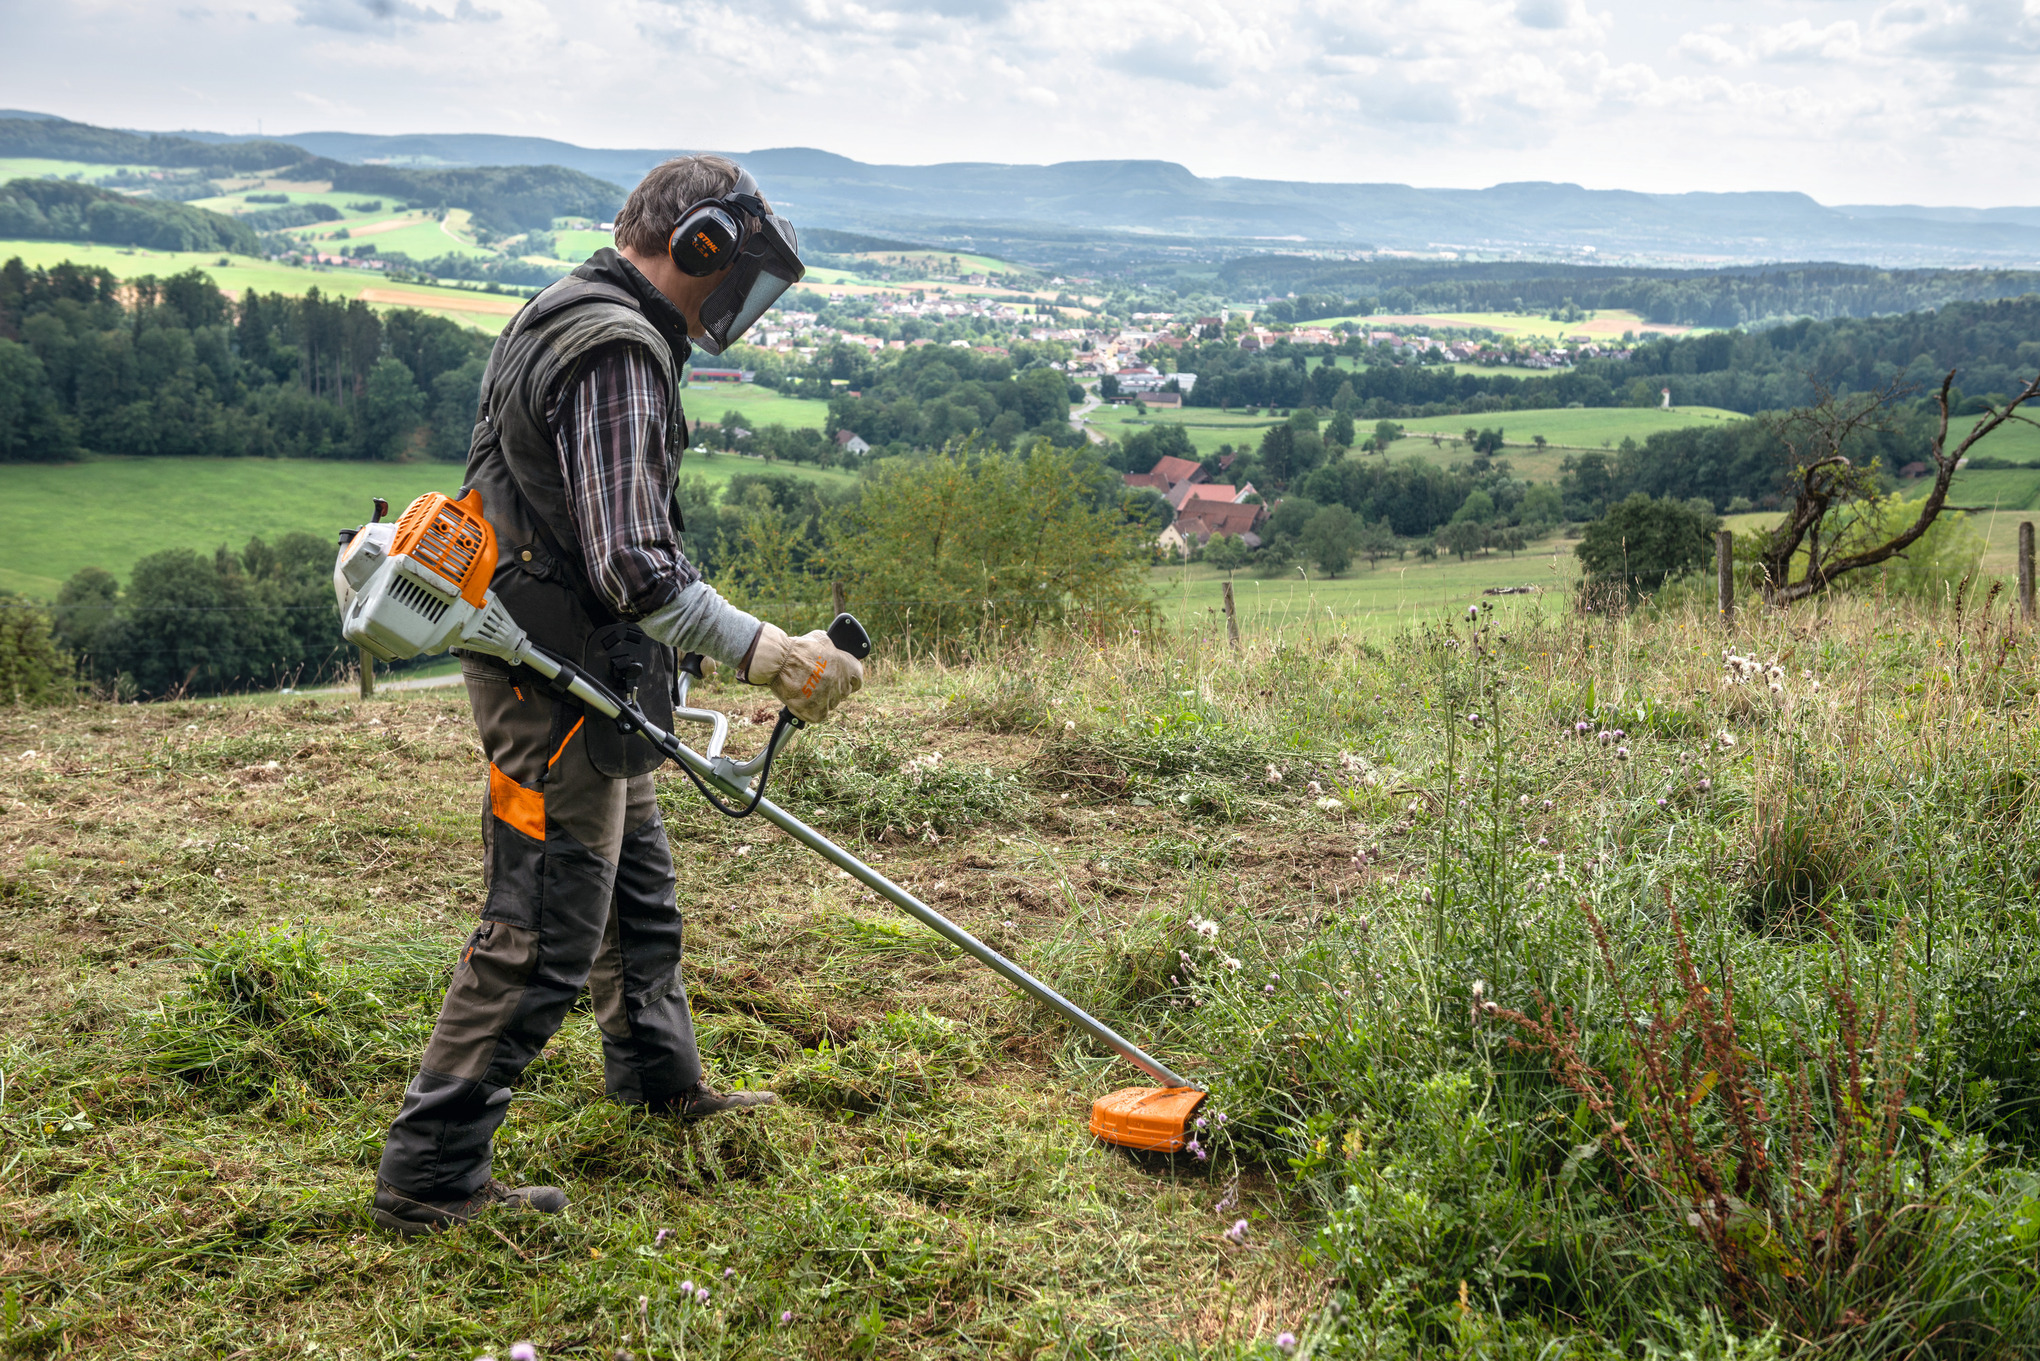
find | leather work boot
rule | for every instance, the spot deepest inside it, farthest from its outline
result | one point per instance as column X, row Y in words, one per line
column 393, row 1209
column 705, row 1101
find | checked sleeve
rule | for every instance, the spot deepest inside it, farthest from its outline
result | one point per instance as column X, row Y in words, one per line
column 610, row 430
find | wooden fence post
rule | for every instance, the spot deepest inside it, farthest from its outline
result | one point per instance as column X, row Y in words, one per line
column 2026, row 570
column 1232, row 619
column 367, row 674
column 836, row 592
column 1724, row 575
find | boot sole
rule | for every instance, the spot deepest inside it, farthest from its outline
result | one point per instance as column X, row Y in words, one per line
column 410, row 1228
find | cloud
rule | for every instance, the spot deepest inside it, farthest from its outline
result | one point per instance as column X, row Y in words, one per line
column 1176, row 58
column 1545, row 13
column 378, row 16
column 1920, row 98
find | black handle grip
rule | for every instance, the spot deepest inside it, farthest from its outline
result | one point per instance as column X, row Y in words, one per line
column 691, row 664
column 847, row 635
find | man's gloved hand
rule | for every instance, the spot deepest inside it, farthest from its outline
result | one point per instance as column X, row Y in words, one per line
column 807, row 673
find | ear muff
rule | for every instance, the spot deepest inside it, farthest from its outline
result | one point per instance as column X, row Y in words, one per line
column 705, row 241
column 709, row 237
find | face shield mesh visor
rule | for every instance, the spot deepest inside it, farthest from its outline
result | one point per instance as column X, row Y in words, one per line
column 768, row 265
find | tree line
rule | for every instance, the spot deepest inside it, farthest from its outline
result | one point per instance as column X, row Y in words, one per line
column 1780, row 367
column 58, row 210
column 1715, row 298
column 172, row 367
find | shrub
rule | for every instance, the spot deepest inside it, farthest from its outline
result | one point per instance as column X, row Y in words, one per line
column 34, row 668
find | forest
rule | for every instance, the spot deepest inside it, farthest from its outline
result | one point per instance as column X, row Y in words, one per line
column 1721, row 297
column 175, row 368
column 1990, row 343
column 56, row 210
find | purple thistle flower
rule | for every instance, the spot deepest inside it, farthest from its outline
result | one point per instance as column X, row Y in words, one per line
column 1238, row 1232
column 523, row 1351
column 660, row 1237
column 687, row 1287
column 1285, row 1343
column 701, row 1295
column 1268, row 990
column 1200, row 1122
column 786, row 1316
column 1220, row 1118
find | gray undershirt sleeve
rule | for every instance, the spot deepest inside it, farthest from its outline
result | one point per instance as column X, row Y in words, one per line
column 699, row 620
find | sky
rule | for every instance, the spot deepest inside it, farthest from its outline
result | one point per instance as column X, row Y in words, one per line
column 1903, row 102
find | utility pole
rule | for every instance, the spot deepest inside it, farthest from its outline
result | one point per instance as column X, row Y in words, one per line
column 841, row 601
column 1232, row 619
column 1724, row 576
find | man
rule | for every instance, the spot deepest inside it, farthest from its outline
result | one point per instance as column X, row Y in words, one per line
column 575, row 452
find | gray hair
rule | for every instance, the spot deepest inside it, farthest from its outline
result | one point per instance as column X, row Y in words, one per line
column 655, row 206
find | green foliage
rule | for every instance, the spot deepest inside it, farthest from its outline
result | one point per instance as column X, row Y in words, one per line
column 871, row 784
column 175, row 369
column 189, row 624
column 1330, row 538
column 56, row 210
column 33, row 427
column 266, row 1018
column 970, row 548
column 34, row 668
column 1642, row 543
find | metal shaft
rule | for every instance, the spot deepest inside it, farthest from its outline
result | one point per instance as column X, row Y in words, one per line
column 594, row 697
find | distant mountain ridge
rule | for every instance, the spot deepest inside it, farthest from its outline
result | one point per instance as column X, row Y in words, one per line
column 1157, row 198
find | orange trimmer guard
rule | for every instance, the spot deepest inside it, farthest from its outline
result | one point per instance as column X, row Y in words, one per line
column 1156, row 1119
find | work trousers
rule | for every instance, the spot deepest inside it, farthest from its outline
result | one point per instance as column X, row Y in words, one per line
column 580, row 893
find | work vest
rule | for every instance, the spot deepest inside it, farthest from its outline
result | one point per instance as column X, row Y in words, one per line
column 541, row 574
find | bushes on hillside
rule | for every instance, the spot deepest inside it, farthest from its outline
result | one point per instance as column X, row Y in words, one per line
column 191, row 624
column 33, row 668
column 1642, row 543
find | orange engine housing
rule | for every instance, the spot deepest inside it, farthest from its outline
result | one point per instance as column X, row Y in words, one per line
column 452, row 538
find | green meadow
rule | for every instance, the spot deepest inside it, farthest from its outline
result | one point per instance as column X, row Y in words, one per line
column 58, row 518
column 1388, row 597
column 754, row 405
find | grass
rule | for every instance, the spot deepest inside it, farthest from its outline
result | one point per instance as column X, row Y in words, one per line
column 484, row 312
column 140, row 506
column 579, row 245
column 756, row 406
column 1378, row 600
column 1486, row 1006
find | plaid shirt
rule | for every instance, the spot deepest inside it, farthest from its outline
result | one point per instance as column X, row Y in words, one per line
column 610, row 430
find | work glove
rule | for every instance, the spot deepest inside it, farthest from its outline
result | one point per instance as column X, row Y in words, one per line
column 808, row 674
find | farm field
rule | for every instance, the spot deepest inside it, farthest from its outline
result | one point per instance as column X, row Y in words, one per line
column 140, row 506
column 1256, row 865
column 707, row 402
column 1602, row 327
column 1572, row 427
column 472, row 307
column 1208, row 427
column 576, row 246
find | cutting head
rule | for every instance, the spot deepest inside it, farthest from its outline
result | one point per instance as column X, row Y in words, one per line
column 1152, row 1119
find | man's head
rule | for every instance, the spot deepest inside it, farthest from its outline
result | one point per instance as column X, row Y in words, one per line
column 645, row 226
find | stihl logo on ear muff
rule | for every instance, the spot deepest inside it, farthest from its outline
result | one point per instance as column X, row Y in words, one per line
column 706, row 238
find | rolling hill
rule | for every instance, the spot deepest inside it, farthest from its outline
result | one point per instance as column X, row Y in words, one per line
column 951, row 201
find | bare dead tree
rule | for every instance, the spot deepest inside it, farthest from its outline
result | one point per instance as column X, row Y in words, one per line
column 1826, row 484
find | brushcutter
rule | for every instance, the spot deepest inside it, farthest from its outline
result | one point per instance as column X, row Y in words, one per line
column 421, row 585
